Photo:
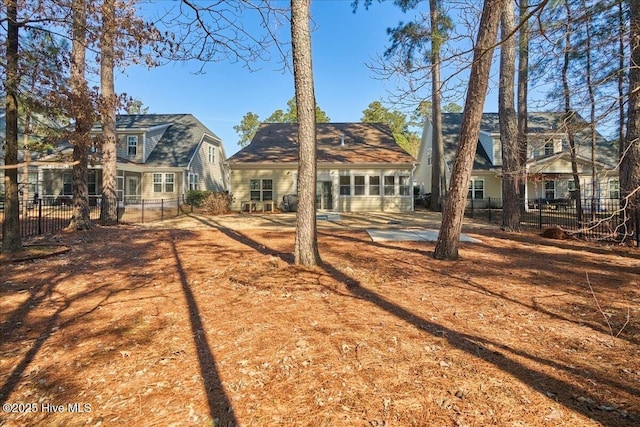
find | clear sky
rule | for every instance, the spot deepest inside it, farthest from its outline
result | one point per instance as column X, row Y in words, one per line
column 343, row 44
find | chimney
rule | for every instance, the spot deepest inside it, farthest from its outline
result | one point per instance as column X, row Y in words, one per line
column 342, row 140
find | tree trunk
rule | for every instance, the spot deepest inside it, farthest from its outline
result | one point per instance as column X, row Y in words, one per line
column 508, row 123
column 438, row 171
column 11, row 239
column 109, row 203
column 523, row 96
column 80, row 219
column 630, row 164
column 306, row 245
column 453, row 212
column 569, row 114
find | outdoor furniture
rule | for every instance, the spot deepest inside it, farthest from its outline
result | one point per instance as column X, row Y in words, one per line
column 254, row 205
column 249, row 204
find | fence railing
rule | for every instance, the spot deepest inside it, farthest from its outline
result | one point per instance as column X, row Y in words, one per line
column 48, row 215
column 602, row 219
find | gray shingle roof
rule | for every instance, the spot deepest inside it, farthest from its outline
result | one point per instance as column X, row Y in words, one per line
column 178, row 143
column 364, row 143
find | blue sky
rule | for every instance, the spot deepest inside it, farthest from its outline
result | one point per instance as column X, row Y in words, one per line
column 343, row 44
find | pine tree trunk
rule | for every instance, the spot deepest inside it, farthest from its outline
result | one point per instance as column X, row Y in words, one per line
column 438, row 171
column 306, row 245
column 81, row 138
column 453, row 212
column 630, row 164
column 508, row 124
column 11, row 239
column 523, row 95
column 109, row 204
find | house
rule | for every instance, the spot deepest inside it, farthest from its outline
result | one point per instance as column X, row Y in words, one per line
column 360, row 168
column 549, row 173
column 159, row 156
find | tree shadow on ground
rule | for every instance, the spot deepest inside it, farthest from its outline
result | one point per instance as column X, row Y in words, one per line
column 481, row 348
column 220, row 407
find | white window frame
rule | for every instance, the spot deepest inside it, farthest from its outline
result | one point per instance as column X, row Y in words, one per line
column 404, row 189
column 549, row 148
column 614, row 193
column 194, row 181
column 375, row 187
column 474, row 187
column 212, row 154
column 132, row 142
column 359, row 189
column 260, row 187
column 166, row 182
column 389, row 189
column 344, row 189
column 545, row 189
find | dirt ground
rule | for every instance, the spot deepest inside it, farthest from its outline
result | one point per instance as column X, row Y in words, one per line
column 205, row 321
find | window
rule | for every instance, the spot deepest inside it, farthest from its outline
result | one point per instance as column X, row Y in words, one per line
column 212, row 154
column 548, row 148
column 93, row 182
column 67, row 184
column 549, row 190
column 194, row 181
column 163, row 182
column 345, row 185
column 132, row 145
column 261, row 189
column 476, row 189
column 614, row 189
column 358, row 185
column 374, row 185
column 405, row 187
column 389, row 185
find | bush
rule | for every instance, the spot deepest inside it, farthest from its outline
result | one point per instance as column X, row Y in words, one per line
column 197, row 197
column 217, row 203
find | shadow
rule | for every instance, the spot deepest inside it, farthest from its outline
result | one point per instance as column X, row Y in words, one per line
column 563, row 392
column 220, row 407
column 573, row 397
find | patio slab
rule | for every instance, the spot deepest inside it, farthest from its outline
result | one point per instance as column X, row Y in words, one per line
column 409, row 235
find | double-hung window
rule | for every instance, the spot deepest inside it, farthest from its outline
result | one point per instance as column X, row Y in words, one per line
column 614, row 189
column 164, row 182
column 212, row 154
column 405, row 185
column 476, row 189
column 193, row 181
column 132, row 145
column 374, row 185
column 358, row 185
column 345, row 185
column 67, row 184
column 389, row 185
column 261, row 189
column 550, row 190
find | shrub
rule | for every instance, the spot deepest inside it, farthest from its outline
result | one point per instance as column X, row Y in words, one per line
column 217, row 203
column 197, row 197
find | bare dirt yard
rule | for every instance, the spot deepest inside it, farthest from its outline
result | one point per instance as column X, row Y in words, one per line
column 205, row 321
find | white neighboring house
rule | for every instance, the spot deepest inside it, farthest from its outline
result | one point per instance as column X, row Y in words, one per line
column 549, row 174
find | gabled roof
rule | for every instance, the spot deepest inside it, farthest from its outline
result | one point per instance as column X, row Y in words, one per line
column 179, row 141
column 364, row 143
column 538, row 123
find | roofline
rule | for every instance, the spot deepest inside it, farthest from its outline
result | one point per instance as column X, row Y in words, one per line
column 289, row 165
column 215, row 139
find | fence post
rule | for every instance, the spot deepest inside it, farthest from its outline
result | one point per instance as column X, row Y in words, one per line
column 161, row 209
column 39, row 216
column 540, row 214
column 142, row 211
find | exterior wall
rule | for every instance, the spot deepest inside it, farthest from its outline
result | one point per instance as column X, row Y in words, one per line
column 212, row 176
column 122, row 149
column 147, row 185
column 285, row 181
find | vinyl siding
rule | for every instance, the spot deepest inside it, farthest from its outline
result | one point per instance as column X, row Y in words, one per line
column 211, row 176
column 123, row 149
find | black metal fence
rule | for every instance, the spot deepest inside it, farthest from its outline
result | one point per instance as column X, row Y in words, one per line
column 602, row 219
column 49, row 215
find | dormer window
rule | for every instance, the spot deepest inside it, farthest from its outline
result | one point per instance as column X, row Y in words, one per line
column 548, row 148
column 132, row 145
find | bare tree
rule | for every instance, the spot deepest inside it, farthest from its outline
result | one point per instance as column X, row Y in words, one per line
column 511, row 169
column 306, row 245
column 449, row 237
column 523, row 95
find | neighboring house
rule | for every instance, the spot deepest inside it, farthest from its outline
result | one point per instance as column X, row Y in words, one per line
column 159, row 156
column 549, row 173
column 360, row 168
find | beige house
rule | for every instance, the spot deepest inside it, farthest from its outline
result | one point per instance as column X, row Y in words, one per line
column 159, row 156
column 550, row 177
column 360, row 168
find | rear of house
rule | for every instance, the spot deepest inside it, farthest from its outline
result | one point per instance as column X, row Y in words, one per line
column 361, row 168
